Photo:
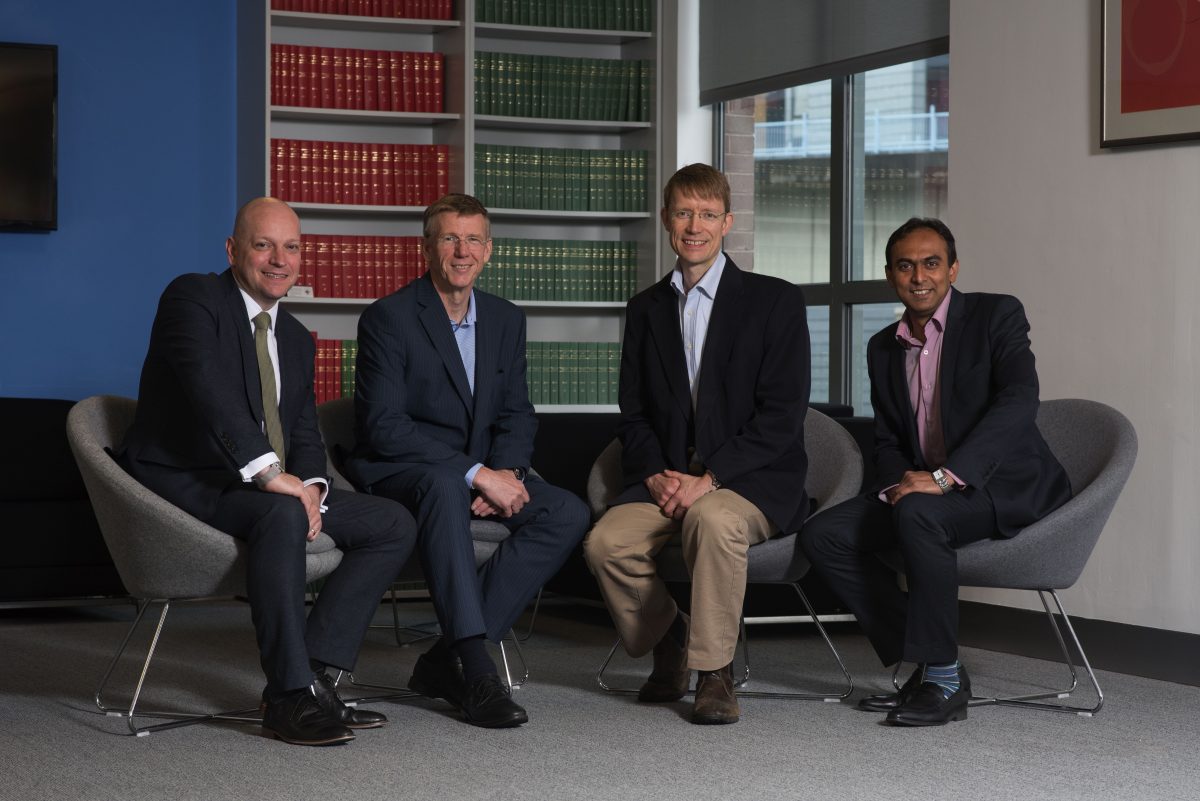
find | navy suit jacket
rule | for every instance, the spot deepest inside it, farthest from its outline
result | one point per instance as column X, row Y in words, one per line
column 748, row 424
column 989, row 402
column 199, row 415
column 413, row 405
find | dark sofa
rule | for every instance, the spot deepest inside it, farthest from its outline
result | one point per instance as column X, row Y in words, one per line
column 53, row 549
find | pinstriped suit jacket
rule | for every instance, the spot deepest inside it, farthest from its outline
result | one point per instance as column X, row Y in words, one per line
column 413, row 405
column 199, row 414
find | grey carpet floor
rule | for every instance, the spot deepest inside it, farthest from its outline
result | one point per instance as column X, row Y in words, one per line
column 580, row 743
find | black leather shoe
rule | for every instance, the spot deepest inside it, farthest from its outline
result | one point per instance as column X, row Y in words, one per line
column 348, row 716
column 927, row 705
column 298, row 718
column 434, row 678
column 886, row 702
column 488, row 703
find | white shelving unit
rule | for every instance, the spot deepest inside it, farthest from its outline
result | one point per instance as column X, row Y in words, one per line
column 459, row 128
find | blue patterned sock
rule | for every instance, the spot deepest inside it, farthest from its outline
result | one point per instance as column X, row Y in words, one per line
column 944, row 676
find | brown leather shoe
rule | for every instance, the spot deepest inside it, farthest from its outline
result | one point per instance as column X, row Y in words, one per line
column 715, row 700
column 670, row 677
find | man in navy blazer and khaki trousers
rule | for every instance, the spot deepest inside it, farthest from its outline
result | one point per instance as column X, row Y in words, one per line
column 714, row 391
column 228, row 432
column 959, row 458
column 444, row 425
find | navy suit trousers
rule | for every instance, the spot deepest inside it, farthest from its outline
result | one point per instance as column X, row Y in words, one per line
column 922, row 624
column 376, row 537
column 488, row 600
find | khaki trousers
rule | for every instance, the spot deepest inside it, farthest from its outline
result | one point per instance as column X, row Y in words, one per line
column 716, row 532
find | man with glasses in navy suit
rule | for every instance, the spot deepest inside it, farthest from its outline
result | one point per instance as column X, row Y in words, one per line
column 444, row 425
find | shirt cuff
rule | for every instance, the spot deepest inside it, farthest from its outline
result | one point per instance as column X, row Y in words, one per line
column 471, row 475
column 883, row 492
column 324, row 491
column 958, row 481
column 255, row 467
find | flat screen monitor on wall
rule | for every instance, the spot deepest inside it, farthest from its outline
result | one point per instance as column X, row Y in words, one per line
column 28, row 137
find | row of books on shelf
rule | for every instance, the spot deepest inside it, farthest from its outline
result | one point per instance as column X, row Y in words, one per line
column 556, row 87
column 349, row 78
column 406, row 9
column 333, row 368
column 561, row 270
column 613, row 15
column 572, row 372
column 352, row 266
column 557, row 372
column 560, row 179
column 375, row 174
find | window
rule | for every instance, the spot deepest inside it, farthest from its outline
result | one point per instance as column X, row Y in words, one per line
column 838, row 165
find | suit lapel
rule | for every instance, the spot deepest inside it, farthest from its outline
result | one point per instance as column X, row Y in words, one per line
column 722, row 331
column 245, row 339
column 487, row 344
column 899, row 384
column 664, row 327
column 951, row 342
column 437, row 328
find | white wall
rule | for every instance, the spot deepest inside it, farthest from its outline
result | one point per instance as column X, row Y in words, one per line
column 1102, row 246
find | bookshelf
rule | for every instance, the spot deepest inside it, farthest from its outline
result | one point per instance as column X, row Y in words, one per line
column 611, row 110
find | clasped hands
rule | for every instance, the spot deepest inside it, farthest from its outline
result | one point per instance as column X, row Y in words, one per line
column 675, row 492
column 310, row 496
column 913, row 481
column 500, row 493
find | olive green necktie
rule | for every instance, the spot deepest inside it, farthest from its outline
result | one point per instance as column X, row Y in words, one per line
column 266, row 378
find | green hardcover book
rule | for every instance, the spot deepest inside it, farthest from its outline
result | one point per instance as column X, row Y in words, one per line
column 525, row 87
column 552, row 372
column 614, row 371
column 532, row 359
column 645, row 73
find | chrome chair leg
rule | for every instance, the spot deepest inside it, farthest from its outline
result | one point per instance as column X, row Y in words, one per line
column 175, row 719
column 1032, row 700
column 537, row 603
column 392, row 692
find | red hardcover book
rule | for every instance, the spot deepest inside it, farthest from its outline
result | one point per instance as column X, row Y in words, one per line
column 442, row 154
column 383, row 81
column 324, row 77
column 320, row 268
column 356, row 82
column 308, row 92
column 387, row 187
column 394, row 81
column 337, row 271
column 334, row 371
column 424, row 81
column 439, row 82
column 340, row 76
column 350, row 176
column 326, row 172
column 407, row 82
column 370, row 81
column 278, row 73
column 374, row 175
column 363, row 273
column 306, row 170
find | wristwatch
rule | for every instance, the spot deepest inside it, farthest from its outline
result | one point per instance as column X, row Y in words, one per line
column 716, row 484
column 520, row 473
column 943, row 481
column 267, row 476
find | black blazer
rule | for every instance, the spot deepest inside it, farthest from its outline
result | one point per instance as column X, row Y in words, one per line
column 989, row 402
column 199, row 415
column 748, row 425
column 412, row 403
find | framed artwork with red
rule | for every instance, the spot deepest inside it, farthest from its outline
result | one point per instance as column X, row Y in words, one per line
column 1151, row 71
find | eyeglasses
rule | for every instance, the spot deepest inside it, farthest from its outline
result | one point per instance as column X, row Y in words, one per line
column 451, row 241
column 706, row 217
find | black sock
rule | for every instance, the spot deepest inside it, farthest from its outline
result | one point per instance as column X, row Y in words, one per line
column 475, row 660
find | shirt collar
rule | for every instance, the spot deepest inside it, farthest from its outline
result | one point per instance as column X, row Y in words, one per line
column 253, row 309
column 469, row 320
column 707, row 284
column 904, row 330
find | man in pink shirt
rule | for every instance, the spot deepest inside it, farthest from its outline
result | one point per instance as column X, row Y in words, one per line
column 958, row 458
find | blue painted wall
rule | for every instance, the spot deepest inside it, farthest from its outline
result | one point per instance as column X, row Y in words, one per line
column 146, row 186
